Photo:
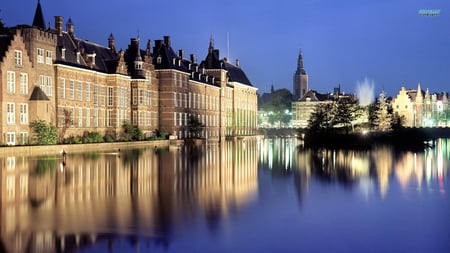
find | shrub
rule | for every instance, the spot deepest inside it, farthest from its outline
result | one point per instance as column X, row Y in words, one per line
column 45, row 132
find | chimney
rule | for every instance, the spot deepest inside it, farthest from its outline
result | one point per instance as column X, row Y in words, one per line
column 69, row 28
column 167, row 41
column 181, row 53
column 237, row 62
column 59, row 24
column 192, row 58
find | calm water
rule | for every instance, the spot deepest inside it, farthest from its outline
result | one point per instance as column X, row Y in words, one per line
column 244, row 196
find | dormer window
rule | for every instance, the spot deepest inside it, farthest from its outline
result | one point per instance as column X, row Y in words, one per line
column 138, row 65
column 158, row 60
column 63, row 53
column 91, row 57
column 78, row 57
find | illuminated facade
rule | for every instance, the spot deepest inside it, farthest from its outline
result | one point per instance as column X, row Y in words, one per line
column 422, row 109
column 80, row 86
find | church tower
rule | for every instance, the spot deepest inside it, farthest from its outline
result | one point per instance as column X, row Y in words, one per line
column 300, row 83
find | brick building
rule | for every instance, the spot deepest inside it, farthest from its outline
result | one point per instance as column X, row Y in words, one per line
column 81, row 86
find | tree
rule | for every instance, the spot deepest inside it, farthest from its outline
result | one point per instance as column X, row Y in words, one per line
column 46, row 133
column 344, row 113
column 321, row 119
column 67, row 122
column 382, row 118
column 195, row 126
column 131, row 132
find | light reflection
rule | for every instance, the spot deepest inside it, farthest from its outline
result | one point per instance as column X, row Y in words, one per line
column 49, row 206
column 412, row 170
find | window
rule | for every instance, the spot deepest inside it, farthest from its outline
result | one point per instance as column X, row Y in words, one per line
column 18, row 57
column 109, row 118
column 63, row 88
column 88, row 92
column 80, row 91
column 11, row 113
column 175, row 99
column 174, row 118
column 63, row 53
column 95, row 94
column 23, row 138
column 110, row 96
column 135, row 96
column 45, row 83
column 95, row 117
column 72, row 116
column 11, row 82
column 141, row 97
column 23, row 83
column 78, row 57
column 72, row 90
column 103, row 95
column 80, row 117
column 11, row 138
column 88, row 117
column 23, row 114
column 135, row 118
column 48, row 57
column 40, row 55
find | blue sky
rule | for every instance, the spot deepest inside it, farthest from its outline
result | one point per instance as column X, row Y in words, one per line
column 343, row 42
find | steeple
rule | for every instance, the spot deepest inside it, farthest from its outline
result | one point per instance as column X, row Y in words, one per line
column 300, row 68
column 138, row 60
column 211, row 45
column 38, row 20
column 111, row 43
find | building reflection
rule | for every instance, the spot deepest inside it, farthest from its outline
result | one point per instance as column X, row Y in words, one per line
column 379, row 166
column 48, row 206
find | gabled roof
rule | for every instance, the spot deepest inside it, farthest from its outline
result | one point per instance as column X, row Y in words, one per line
column 38, row 95
column 164, row 57
column 38, row 20
column 104, row 57
column 235, row 73
column 314, row 96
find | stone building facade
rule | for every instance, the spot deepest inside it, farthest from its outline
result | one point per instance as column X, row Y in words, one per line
column 80, row 86
column 422, row 109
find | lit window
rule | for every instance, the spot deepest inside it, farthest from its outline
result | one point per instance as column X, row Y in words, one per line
column 88, row 92
column 80, row 91
column 23, row 114
column 78, row 57
column 48, row 57
column 110, row 96
column 11, row 82
column 18, row 57
column 23, row 138
column 10, row 113
column 11, row 138
column 23, row 83
column 40, row 55
column 63, row 88
column 80, row 117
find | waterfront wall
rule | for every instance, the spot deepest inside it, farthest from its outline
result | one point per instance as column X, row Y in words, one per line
column 77, row 148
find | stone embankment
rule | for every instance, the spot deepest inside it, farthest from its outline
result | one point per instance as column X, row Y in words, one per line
column 77, row 148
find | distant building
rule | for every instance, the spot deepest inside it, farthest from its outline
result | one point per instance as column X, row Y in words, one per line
column 422, row 109
column 80, row 86
column 300, row 82
column 305, row 106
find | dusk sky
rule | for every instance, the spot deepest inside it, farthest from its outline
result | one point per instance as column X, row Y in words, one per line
column 343, row 42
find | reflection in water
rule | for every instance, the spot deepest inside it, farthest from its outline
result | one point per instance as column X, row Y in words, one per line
column 381, row 165
column 50, row 206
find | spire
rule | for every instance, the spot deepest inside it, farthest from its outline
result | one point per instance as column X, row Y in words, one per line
column 211, row 44
column 38, row 20
column 300, row 68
